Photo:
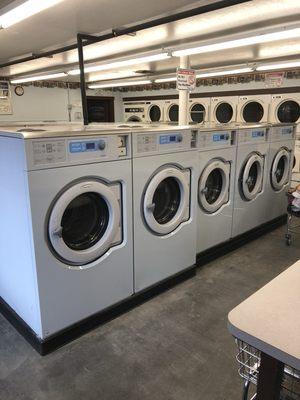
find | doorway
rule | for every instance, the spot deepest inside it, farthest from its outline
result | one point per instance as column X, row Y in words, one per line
column 101, row 109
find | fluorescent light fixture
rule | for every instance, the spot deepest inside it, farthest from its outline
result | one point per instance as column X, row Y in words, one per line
column 120, row 84
column 123, row 63
column 223, row 73
column 162, row 80
column 231, row 44
column 113, row 75
column 292, row 64
column 25, row 10
column 38, row 78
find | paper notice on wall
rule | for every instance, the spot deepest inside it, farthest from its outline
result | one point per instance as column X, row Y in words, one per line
column 186, row 79
column 274, row 79
column 5, row 98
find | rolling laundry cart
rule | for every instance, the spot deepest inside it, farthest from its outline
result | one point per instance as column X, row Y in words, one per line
column 266, row 327
column 293, row 217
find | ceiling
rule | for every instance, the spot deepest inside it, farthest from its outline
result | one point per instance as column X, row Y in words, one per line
column 60, row 24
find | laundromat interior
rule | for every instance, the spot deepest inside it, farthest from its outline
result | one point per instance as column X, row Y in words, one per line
column 150, row 200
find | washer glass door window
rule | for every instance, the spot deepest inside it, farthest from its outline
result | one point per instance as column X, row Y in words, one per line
column 280, row 169
column 288, row 111
column 173, row 112
column 252, row 176
column 214, row 185
column 154, row 113
column 253, row 111
column 85, row 221
column 197, row 112
column 166, row 201
column 224, row 112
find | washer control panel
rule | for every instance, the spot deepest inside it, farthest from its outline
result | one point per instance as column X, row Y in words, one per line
column 282, row 133
column 162, row 142
column 252, row 135
column 215, row 139
column 69, row 151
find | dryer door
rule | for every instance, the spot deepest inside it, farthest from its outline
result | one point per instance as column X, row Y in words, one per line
column 85, row 221
column 173, row 112
column 252, row 176
column 154, row 113
column 253, row 111
column 224, row 112
column 197, row 112
column 166, row 202
column 288, row 111
column 280, row 170
column 213, row 188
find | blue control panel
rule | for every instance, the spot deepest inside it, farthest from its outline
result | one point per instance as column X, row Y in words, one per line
column 287, row 131
column 258, row 134
column 169, row 139
column 87, row 146
column 220, row 137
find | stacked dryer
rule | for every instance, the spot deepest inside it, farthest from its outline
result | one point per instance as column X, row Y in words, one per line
column 280, row 164
column 164, row 203
column 223, row 110
column 171, row 110
column 253, row 109
column 199, row 110
column 250, row 198
column 216, row 175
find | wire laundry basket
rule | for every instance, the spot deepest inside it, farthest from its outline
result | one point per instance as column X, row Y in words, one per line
column 248, row 358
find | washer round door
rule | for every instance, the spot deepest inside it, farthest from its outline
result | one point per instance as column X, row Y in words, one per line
column 173, row 112
column 166, row 202
column 280, row 169
column 224, row 112
column 154, row 113
column 214, row 184
column 197, row 112
column 252, row 175
column 253, row 111
column 288, row 111
column 85, row 221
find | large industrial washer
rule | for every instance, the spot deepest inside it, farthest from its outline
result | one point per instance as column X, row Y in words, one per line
column 66, row 237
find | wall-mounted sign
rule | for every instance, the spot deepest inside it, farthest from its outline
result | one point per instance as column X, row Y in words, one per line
column 5, row 99
column 274, row 79
column 186, row 79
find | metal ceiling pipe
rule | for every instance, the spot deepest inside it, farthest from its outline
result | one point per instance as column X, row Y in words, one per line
column 184, row 95
column 126, row 31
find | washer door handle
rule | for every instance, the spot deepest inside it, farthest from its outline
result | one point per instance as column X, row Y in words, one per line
column 205, row 190
column 58, row 232
column 151, row 207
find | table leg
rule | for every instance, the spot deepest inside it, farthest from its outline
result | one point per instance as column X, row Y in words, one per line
column 269, row 378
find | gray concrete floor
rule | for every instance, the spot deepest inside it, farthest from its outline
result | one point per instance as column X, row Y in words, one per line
column 175, row 346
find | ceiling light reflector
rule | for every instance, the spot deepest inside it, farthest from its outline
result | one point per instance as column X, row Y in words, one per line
column 119, row 84
column 38, row 78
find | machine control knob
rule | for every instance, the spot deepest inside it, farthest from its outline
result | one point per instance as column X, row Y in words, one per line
column 101, row 145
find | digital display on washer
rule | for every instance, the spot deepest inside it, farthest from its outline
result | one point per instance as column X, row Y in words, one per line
column 167, row 139
column 218, row 137
column 81, row 147
column 258, row 134
column 287, row 131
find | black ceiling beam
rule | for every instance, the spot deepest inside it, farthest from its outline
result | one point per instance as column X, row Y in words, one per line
column 88, row 39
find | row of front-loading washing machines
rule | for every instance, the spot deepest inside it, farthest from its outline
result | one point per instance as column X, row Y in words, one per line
column 261, row 108
column 93, row 215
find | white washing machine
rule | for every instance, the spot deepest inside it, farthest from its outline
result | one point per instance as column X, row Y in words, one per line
column 250, row 197
column 135, row 111
column 296, row 164
column 253, row 109
column 171, row 110
column 199, row 110
column 280, row 164
column 155, row 111
column 223, row 110
column 66, row 237
column 285, row 108
column 164, row 204
column 216, row 176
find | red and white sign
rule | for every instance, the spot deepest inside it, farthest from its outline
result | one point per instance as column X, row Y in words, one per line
column 186, row 79
column 274, row 79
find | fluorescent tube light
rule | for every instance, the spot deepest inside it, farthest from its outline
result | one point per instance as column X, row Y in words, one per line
column 109, row 85
column 222, row 73
column 25, row 10
column 162, row 80
column 123, row 63
column 263, row 38
column 38, row 78
column 292, row 64
column 113, row 75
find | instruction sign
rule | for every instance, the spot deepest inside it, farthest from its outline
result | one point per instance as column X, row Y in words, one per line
column 274, row 79
column 5, row 99
column 186, row 79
